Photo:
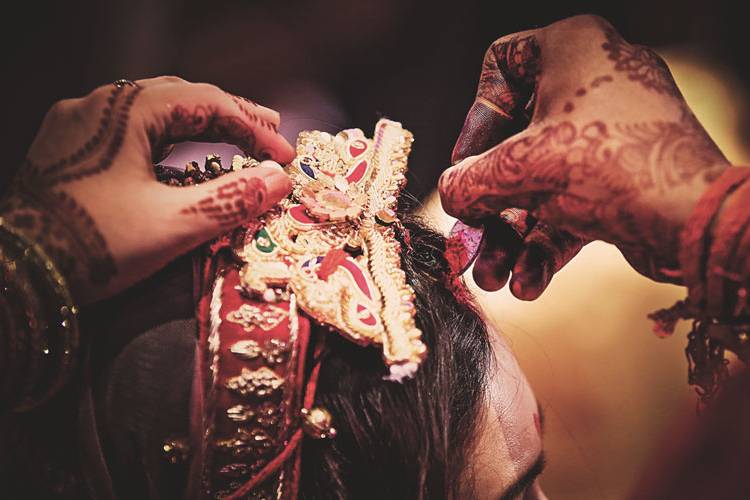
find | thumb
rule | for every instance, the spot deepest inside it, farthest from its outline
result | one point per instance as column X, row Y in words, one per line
column 207, row 210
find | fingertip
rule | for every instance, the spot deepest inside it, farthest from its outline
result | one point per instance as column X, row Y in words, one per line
column 278, row 184
column 525, row 288
column 489, row 281
column 285, row 153
column 452, row 189
column 531, row 273
column 492, row 269
column 275, row 183
column 518, row 289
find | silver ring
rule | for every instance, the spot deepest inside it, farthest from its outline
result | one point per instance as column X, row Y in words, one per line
column 122, row 82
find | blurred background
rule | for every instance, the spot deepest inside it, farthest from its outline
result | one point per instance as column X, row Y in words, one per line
column 612, row 390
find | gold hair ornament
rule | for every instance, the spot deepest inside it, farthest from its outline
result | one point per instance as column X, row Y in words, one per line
column 333, row 242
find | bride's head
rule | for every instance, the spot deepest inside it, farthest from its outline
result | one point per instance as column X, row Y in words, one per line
column 467, row 426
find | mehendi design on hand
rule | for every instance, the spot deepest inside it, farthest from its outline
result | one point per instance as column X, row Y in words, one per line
column 509, row 73
column 640, row 64
column 581, row 92
column 252, row 117
column 52, row 217
column 587, row 179
column 97, row 154
column 505, row 95
column 203, row 122
column 233, row 203
column 66, row 231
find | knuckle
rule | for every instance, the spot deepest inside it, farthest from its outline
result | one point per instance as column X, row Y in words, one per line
column 59, row 107
column 657, row 59
column 209, row 89
column 492, row 50
column 171, row 79
column 97, row 96
column 589, row 21
column 489, row 54
column 64, row 107
column 582, row 26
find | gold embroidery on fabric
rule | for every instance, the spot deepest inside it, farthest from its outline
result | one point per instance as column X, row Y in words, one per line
column 248, row 315
column 246, row 349
column 274, row 351
column 246, row 443
column 266, row 415
column 261, row 382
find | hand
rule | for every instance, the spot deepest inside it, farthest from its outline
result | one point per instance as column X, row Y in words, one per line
column 591, row 136
column 87, row 191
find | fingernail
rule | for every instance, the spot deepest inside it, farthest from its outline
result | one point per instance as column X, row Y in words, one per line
column 462, row 246
column 271, row 164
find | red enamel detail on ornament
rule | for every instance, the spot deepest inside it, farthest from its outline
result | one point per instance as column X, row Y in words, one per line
column 370, row 319
column 356, row 174
column 299, row 214
column 358, row 276
column 357, row 147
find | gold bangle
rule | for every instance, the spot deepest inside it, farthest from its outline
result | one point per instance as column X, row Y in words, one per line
column 51, row 325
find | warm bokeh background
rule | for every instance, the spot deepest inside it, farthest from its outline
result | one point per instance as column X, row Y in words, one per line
column 613, row 393
column 611, row 389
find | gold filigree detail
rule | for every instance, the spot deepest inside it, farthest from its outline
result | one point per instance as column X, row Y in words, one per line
column 267, row 317
column 362, row 293
column 262, row 382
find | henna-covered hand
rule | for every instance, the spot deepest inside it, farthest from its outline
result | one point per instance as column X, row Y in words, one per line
column 588, row 134
column 87, row 191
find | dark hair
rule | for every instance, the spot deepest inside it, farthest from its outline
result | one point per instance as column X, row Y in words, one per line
column 393, row 440
column 407, row 440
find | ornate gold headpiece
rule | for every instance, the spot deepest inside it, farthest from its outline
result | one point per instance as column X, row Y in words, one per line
column 333, row 243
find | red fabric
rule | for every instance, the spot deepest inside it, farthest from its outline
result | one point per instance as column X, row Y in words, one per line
column 293, row 444
column 210, row 399
column 721, row 280
column 205, row 272
column 695, row 235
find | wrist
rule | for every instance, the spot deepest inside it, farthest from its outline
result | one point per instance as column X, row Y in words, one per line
column 44, row 222
column 706, row 235
column 680, row 208
column 714, row 250
column 41, row 334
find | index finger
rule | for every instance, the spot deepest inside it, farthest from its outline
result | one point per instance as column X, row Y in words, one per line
column 506, row 86
column 181, row 111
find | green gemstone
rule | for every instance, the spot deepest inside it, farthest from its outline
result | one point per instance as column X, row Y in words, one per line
column 263, row 241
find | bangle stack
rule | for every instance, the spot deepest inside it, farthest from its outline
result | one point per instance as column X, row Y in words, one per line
column 38, row 325
column 715, row 246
